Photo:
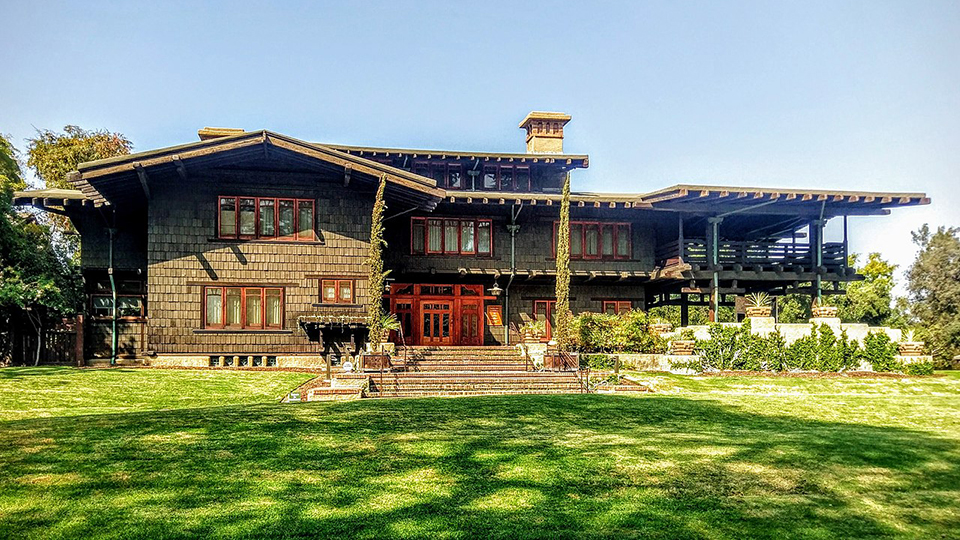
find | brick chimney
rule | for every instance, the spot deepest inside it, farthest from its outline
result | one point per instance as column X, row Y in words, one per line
column 545, row 132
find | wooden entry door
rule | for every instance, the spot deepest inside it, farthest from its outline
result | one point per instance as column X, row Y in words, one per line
column 436, row 318
column 543, row 309
column 471, row 322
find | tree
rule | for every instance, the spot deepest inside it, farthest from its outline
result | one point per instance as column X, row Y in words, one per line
column 375, row 319
column 934, row 285
column 871, row 301
column 563, row 316
column 52, row 155
column 11, row 175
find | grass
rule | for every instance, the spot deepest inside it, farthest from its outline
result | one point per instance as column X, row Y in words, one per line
column 705, row 457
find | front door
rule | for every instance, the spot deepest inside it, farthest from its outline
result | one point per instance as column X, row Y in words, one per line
column 436, row 319
column 543, row 311
column 471, row 331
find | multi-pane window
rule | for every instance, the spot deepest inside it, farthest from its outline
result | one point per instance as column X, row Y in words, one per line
column 451, row 236
column 337, row 291
column 489, row 177
column 616, row 307
column 243, row 307
column 266, row 218
column 127, row 306
column 598, row 240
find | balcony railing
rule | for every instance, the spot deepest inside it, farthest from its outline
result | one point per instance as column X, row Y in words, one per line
column 764, row 255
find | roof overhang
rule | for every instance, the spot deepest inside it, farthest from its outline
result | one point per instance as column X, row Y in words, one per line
column 736, row 199
column 57, row 201
column 98, row 179
column 569, row 161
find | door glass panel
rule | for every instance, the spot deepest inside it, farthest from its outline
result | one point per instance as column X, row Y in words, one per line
column 426, row 325
column 446, row 325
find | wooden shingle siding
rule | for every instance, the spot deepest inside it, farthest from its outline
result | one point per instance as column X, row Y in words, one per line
column 184, row 254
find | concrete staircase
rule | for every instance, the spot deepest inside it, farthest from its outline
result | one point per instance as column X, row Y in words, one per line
column 461, row 371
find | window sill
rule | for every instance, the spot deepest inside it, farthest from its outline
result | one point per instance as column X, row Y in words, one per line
column 263, row 241
column 240, row 331
column 108, row 318
column 338, row 305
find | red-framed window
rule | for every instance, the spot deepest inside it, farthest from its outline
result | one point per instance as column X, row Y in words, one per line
column 451, row 236
column 597, row 240
column 616, row 307
column 243, row 308
column 338, row 291
column 266, row 218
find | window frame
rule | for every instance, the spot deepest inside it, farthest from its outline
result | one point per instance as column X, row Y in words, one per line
column 244, row 289
column 141, row 316
column 337, row 281
column 599, row 227
column 310, row 236
column 424, row 222
column 618, row 306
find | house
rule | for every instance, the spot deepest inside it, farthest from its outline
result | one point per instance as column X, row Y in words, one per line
column 217, row 250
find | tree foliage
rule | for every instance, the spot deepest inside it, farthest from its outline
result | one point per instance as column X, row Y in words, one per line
column 934, row 285
column 563, row 316
column 52, row 155
column 375, row 261
column 11, row 175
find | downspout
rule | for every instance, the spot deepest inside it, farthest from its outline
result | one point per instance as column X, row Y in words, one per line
column 714, row 263
column 819, row 247
column 113, row 292
column 513, row 228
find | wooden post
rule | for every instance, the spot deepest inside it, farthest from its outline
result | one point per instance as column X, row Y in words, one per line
column 684, row 311
column 78, row 341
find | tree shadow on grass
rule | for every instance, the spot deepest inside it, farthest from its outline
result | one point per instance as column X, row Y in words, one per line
column 526, row 466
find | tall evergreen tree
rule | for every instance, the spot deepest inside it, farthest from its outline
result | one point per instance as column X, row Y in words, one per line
column 377, row 277
column 562, row 315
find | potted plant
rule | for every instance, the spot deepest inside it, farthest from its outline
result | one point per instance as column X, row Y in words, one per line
column 821, row 310
column 532, row 331
column 377, row 355
column 759, row 304
column 684, row 344
column 910, row 347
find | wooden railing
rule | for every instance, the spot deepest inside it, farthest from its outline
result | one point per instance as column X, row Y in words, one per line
column 695, row 251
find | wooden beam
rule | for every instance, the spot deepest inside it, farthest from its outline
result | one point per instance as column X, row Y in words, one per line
column 181, row 168
column 347, row 173
column 142, row 175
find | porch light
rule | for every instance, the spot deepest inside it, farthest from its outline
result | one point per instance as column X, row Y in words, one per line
column 495, row 290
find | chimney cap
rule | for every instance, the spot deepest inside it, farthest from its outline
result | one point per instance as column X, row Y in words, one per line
column 535, row 116
column 208, row 133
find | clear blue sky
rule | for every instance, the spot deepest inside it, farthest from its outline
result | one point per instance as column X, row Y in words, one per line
column 847, row 95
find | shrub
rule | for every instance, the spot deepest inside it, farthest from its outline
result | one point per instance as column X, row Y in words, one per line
column 880, row 352
column 919, row 368
column 626, row 332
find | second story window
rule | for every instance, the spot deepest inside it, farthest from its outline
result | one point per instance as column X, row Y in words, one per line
column 598, row 240
column 266, row 218
column 451, row 236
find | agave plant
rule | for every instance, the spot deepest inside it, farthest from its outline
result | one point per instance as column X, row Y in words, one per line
column 759, row 299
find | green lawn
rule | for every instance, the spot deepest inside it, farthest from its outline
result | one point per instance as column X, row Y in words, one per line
column 705, row 457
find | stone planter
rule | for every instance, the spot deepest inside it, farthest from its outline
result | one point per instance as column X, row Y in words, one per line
column 658, row 329
column 911, row 348
column 759, row 311
column 682, row 347
column 825, row 312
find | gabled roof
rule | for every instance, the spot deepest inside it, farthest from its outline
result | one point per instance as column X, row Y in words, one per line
column 95, row 177
column 572, row 161
column 720, row 199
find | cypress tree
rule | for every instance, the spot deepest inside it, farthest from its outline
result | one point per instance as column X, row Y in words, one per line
column 375, row 261
column 562, row 314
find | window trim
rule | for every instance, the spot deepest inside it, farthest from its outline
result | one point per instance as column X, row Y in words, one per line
column 443, row 221
column 336, row 281
column 243, row 307
column 617, row 304
column 295, row 237
column 599, row 226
